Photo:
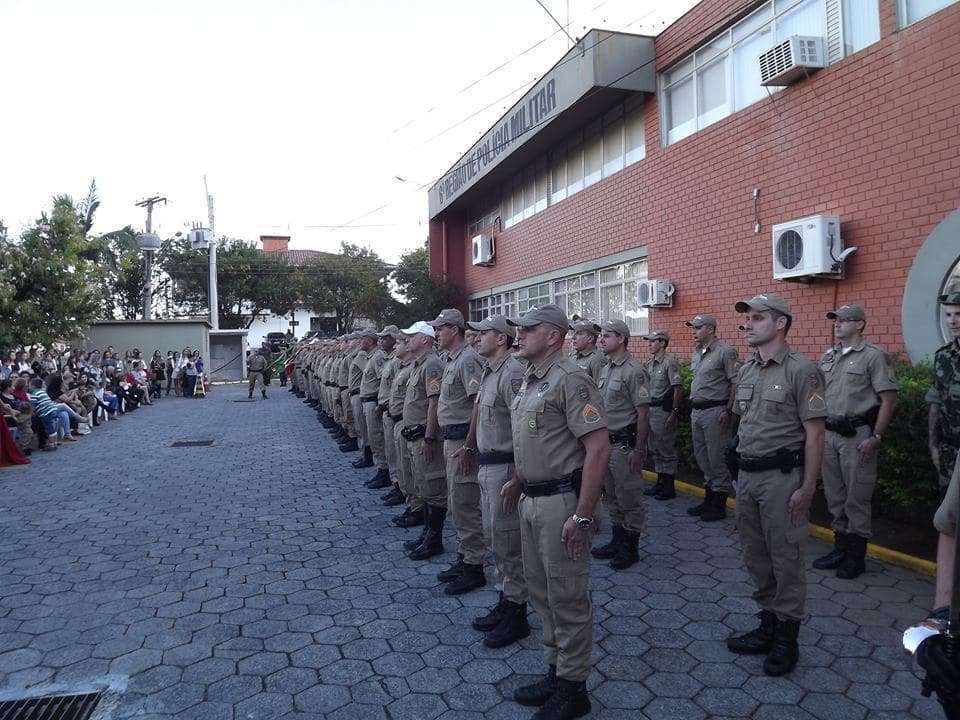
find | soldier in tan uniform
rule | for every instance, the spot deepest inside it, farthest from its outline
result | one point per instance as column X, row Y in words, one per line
column 374, row 449
column 367, row 343
column 561, row 450
column 781, row 403
column 585, row 352
column 421, row 430
column 461, row 382
column 351, row 348
column 472, row 338
column 413, row 514
column 714, row 364
column 387, row 373
column 489, row 445
column 861, row 399
column 625, row 389
column 666, row 396
column 256, row 366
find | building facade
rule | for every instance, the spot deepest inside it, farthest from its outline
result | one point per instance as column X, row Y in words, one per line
column 639, row 158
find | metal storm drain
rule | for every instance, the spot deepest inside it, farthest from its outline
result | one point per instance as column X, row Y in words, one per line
column 51, row 707
column 245, row 400
column 183, row 444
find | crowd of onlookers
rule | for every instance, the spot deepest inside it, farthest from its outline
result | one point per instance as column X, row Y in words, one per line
column 49, row 397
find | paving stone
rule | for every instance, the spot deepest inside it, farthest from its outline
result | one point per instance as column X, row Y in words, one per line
column 234, row 689
column 264, row 706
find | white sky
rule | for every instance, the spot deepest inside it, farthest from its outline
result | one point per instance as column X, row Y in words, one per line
column 290, row 107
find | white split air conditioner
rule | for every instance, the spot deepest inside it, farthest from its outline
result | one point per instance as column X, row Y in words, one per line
column 791, row 60
column 484, row 250
column 655, row 293
column 810, row 246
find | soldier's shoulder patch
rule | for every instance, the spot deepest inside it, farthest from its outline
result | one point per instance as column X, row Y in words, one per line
column 515, row 384
column 590, row 414
column 813, row 380
column 582, row 392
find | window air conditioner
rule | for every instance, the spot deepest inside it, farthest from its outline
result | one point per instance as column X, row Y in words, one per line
column 483, row 250
column 655, row 293
column 791, row 60
column 807, row 247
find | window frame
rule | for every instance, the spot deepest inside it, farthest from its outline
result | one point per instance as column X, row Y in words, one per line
column 903, row 13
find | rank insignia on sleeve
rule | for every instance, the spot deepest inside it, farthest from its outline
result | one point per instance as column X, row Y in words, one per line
column 816, row 403
column 591, row 415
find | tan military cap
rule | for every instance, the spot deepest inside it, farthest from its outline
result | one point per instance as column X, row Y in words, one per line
column 391, row 330
column 549, row 313
column 701, row 320
column 847, row 312
column 659, row 335
column 449, row 316
column 762, row 302
column 367, row 333
column 586, row 326
column 617, row 326
column 498, row 323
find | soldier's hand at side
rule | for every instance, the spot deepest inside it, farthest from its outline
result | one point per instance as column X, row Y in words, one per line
column 430, row 451
column 726, row 417
column 800, row 505
column 866, row 449
column 466, row 460
column 510, row 492
column 671, row 423
column 574, row 539
column 635, row 461
column 935, row 456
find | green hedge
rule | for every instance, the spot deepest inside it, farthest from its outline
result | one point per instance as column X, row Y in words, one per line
column 907, row 485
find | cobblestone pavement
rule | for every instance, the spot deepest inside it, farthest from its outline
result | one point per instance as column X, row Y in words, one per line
column 257, row 578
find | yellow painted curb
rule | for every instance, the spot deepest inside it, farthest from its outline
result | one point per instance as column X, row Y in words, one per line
column 878, row 552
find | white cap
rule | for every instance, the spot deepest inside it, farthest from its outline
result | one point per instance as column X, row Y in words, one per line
column 420, row 327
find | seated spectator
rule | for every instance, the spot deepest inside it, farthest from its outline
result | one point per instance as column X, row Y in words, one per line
column 136, row 377
column 20, row 363
column 55, row 416
column 20, row 389
column 33, row 358
column 58, row 388
column 189, row 374
column 9, row 453
column 7, row 369
column 114, row 382
column 18, row 416
column 49, row 363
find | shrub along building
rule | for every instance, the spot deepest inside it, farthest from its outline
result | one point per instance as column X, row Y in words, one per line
column 699, row 157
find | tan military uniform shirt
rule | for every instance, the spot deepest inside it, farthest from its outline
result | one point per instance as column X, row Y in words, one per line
column 774, row 399
column 256, row 363
column 423, row 383
column 664, row 373
column 855, row 377
column 387, row 373
column 624, row 386
column 461, row 381
column 370, row 381
column 357, row 366
column 592, row 362
column 343, row 373
column 558, row 403
column 499, row 386
column 398, row 387
column 714, row 371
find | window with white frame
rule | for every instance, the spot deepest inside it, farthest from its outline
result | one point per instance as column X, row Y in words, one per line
column 911, row 11
column 723, row 76
column 479, row 309
column 618, row 296
column 577, row 295
column 532, row 296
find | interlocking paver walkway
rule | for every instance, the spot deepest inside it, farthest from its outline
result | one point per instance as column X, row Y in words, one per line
column 257, row 578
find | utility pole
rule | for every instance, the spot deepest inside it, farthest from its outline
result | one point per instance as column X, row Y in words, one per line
column 149, row 243
column 214, row 309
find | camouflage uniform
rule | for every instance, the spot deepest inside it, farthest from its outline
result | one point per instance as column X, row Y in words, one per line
column 946, row 393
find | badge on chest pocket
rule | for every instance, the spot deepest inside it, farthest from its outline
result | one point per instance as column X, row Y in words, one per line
column 744, row 396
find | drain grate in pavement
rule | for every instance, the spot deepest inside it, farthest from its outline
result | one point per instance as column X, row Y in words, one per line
column 245, row 400
column 186, row 443
column 51, row 707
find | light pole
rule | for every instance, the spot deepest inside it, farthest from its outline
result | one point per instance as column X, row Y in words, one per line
column 149, row 242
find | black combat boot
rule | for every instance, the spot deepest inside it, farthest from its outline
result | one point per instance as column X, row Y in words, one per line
column 365, row 460
column 349, row 445
column 854, row 562
column 655, row 488
column 337, row 432
column 393, row 498
column 568, row 702
column 717, row 510
column 250, row 395
column 628, row 553
column 756, row 641
column 433, row 538
column 697, row 510
column 832, row 560
column 513, row 626
column 667, row 490
column 785, row 652
column 452, row 572
column 486, row 623
column 417, row 541
column 471, row 578
column 380, row 480
column 605, row 552
column 536, row 694
column 263, row 391
column 410, row 518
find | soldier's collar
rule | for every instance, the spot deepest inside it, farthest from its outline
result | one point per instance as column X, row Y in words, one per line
column 548, row 362
column 626, row 356
column 853, row 348
column 454, row 354
column 777, row 357
column 709, row 345
column 497, row 363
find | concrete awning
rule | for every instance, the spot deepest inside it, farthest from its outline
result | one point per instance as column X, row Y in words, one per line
column 593, row 76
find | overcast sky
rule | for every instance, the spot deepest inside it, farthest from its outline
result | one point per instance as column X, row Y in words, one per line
column 302, row 113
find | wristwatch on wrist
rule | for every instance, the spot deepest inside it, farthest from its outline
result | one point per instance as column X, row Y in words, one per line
column 584, row 523
column 878, row 436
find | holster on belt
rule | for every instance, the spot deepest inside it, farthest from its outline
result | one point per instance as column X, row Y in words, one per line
column 731, row 457
column 395, row 418
column 626, row 437
column 570, row 483
column 455, row 432
column 783, row 460
column 354, row 392
column 413, row 432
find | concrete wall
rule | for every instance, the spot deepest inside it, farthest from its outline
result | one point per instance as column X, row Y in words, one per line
column 874, row 139
column 227, row 355
column 150, row 335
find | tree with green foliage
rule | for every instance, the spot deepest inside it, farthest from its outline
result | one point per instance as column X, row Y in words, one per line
column 423, row 296
column 125, row 273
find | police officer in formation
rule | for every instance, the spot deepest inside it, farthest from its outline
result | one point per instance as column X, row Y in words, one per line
column 375, row 452
column 666, row 396
column 584, row 351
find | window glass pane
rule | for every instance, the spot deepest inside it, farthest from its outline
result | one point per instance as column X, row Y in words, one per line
column 919, row 9
column 752, row 23
column 807, row 19
column 746, row 70
column 558, row 178
column 518, row 202
column 588, row 281
column 573, row 283
column 611, row 303
column 861, row 24
column 559, row 287
column 680, row 111
column 588, row 304
column 706, row 54
column 561, row 302
column 592, row 157
column 613, row 147
column 543, row 189
column 575, row 169
column 712, row 92
column 529, row 196
column 634, row 137
column 678, row 71
column 608, row 276
column 633, row 314
column 574, row 306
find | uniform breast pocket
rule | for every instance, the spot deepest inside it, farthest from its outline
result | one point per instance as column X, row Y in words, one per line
column 487, row 402
column 612, row 388
column 744, row 397
column 533, row 419
column 774, row 402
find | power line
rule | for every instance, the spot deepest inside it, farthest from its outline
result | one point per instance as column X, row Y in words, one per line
column 547, row 11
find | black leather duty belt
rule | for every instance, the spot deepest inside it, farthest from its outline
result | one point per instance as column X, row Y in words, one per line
column 706, row 404
column 624, row 438
column 354, row 392
column 455, row 432
column 571, row 483
column 495, row 458
column 395, row 418
column 368, row 398
column 783, row 460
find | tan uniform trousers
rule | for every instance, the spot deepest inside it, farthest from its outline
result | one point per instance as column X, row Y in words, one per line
column 373, row 425
column 359, row 423
column 429, row 479
column 254, row 379
column 405, row 470
column 662, row 443
column 623, row 492
column 502, row 531
column 390, row 445
column 559, row 587
column 709, row 444
column 772, row 545
column 847, row 484
column 464, row 504
column 347, row 410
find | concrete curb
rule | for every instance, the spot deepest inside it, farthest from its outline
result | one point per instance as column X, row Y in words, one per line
column 877, row 552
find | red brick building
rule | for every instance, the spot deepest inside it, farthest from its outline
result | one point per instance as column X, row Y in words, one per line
column 639, row 158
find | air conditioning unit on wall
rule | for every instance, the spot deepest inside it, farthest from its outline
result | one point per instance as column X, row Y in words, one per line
column 655, row 293
column 791, row 60
column 809, row 247
column 484, row 250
